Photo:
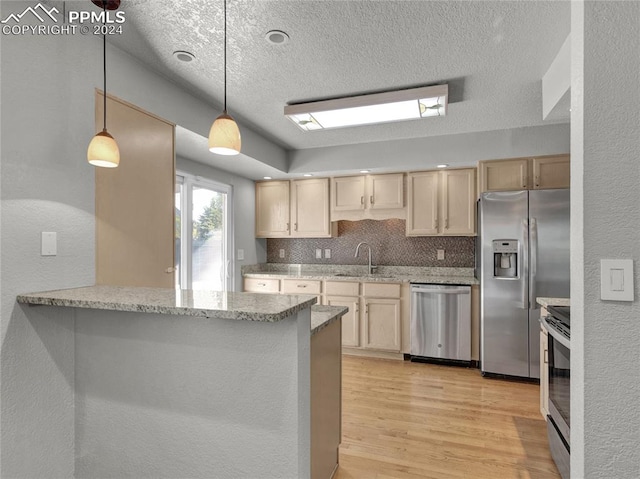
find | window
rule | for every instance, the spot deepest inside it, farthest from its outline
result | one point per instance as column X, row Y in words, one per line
column 203, row 234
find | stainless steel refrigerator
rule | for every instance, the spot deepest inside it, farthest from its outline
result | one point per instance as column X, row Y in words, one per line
column 523, row 248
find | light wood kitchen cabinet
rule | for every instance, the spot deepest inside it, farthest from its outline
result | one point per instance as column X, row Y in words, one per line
column 350, row 321
column 302, row 286
column 551, row 172
column 544, row 172
column 544, row 371
column 134, row 206
column 293, row 209
column 367, row 197
column 382, row 324
column 259, row 285
column 272, row 209
column 441, row 203
column 310, row 208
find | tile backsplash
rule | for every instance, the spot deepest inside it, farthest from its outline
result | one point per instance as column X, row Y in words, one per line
column 389, row 247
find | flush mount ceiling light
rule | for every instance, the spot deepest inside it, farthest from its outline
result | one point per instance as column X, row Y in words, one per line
column 103, row 150
column 224, row 136
column 277, row 37
column 384, row 107
column 307, row 175
column 184, row 56
column 441, row 166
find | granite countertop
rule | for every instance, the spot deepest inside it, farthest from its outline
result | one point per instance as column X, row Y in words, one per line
column 385, row 274
column 207, row 304
column 323, row 316
column 553, row 301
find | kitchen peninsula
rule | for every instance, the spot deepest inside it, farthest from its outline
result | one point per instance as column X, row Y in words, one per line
column 172, row 383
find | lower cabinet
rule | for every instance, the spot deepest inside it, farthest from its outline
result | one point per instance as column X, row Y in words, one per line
column 258, row 285
column 544, row 372
column 374, row 318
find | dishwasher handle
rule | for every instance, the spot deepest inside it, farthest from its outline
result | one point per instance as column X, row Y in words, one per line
column 453, row 290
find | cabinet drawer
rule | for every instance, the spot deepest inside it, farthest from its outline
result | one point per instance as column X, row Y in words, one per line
column 342, row 288
column 381, row 290
column 301, row 286
column 257, row 285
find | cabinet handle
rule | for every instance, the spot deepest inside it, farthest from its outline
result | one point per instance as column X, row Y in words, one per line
column 446, row 223
column 302, row 286
column 366, row 309
column 371, row 199
column 295, row 226
column 288, row 227
column 362, row 200
column 546, row 356
column 537, row 180
column 262, row 284
column 435, row 224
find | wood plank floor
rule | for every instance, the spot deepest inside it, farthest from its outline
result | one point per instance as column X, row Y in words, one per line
column 411, row 420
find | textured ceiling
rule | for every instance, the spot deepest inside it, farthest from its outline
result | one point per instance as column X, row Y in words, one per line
column 492, row 53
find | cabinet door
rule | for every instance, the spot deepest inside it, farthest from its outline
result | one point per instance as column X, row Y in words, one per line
column 350, row 321
column 422, row 208
column 385, row 191
column 458, row 205
column 544, row 374
column 134, row 202
column 272, row 209
column 382, row 324
column 551, row 172
column 347, row 193
column 310, row 208
column 504, row 175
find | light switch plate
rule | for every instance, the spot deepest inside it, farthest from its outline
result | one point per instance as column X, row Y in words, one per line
column 240, row 254
column 440, row 254
column 616, row 279
column 281, row 253
column 49, row 246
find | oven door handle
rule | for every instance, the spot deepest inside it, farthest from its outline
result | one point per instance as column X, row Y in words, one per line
column 557, row 335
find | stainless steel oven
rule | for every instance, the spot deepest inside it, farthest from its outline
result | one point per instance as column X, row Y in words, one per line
column 559, row 419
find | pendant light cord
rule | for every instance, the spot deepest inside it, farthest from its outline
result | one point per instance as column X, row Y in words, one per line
column 104, row 64
column 225, row 57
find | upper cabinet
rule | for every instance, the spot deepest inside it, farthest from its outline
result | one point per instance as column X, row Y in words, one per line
column 442, row 203
column 293, row 209
column 524, row 173
column 367, row 197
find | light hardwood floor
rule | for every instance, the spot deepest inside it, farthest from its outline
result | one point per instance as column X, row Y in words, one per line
column 410, row 420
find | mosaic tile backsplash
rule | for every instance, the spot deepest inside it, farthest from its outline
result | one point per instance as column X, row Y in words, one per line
column 389, row 247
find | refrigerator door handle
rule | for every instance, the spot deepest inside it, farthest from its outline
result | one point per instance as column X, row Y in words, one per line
column 533, row 234
column 524, row 259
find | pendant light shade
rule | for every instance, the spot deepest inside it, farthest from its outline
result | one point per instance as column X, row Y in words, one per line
column 224, row 135
column 103, row 150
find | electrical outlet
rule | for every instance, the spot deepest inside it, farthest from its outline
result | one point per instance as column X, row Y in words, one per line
column 327, row 253
column 282, row 253
column 240, row 254
column 49, row 246
column 440, row 254
column 318, row 253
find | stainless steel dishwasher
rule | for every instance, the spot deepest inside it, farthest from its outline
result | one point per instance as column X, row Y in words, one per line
column 440, row 322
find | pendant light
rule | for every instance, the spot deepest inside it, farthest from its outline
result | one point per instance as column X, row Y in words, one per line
column 103, row 149
column 224, row 136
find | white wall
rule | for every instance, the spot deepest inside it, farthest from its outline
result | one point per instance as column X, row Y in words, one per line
column 463, row 149
column 244, row 213
column 605, row 416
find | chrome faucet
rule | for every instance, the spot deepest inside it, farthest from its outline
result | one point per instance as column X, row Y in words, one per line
column 371, row 268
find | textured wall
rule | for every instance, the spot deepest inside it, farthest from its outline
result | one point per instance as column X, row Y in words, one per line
column 163, row 396
column 389, row 247
column 605, row 335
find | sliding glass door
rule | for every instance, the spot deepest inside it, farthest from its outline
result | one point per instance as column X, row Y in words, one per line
column 203, row 234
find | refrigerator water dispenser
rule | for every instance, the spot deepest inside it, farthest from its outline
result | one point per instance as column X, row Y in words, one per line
column 505, row 258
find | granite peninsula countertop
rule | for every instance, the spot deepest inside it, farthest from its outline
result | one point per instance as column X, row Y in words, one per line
column 384, row 274
column 206, row 304
column 323, row 316
column 553, row 301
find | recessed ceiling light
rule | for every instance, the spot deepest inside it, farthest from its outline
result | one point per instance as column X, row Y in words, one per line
column 277, row 37
column 365, row 171
column 442, row 166
column 266, row 177
column 184, row 56
column 307, row 174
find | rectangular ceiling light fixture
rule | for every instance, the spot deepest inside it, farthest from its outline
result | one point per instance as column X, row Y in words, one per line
column 384, row 107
